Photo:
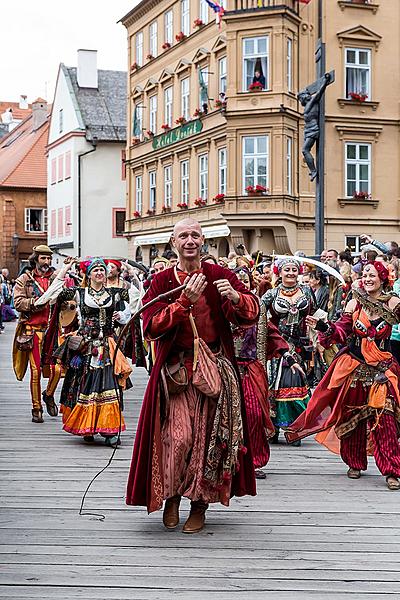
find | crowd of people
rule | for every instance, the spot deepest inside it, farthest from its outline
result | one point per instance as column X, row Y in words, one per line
column 239, row 350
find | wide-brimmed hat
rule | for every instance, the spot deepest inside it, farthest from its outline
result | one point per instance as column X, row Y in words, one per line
column 42, row 249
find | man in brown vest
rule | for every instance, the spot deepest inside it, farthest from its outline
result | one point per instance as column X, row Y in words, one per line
column 29, row 334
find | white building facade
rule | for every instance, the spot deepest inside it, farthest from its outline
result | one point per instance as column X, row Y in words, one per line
column 86, row 147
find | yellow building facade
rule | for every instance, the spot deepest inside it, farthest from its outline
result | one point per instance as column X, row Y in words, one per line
column 216, row 130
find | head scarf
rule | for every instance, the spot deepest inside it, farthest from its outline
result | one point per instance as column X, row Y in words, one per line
column 117, row 263
column 95, row 262
column 383, row 272
column 286, row 261
column 240, row 271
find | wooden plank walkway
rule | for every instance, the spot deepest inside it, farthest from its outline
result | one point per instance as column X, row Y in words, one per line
column 311, row 533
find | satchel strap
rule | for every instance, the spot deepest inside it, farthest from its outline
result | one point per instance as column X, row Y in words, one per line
column 194, row 329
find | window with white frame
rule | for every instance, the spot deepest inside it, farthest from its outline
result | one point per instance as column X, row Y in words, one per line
column 203, row 176
column 153, row 47
column 36, row 219
column 185, row 98
column 203, row 87
column 138, row 193
column 358, row 72
column 168, row 27
column 352, row 242
column 168, row 186
column 255, row 161
column 222, row 82
column 203, row 11
column 289, row 64
column 168, row 106
column 185, row 181
column 358, row 169
column 289, row 162
column 60, row 120
column 153, row 113
column 153, row 189
column 185, row 16
column 255, row 62
column 139, row 117
column 139, row 48
column 222, row 171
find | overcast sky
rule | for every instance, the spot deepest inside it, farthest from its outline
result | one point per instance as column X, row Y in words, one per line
column 36, row 36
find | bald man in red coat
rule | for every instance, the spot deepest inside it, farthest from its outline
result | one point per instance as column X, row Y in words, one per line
column 192, row 437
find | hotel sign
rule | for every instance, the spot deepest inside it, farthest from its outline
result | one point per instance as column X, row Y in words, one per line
column 177, row 134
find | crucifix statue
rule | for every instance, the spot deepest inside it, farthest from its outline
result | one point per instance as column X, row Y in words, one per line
column 310, row 98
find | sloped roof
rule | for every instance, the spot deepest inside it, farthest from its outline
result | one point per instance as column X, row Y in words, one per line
column 22, row 156
column 103, row 110
column 18, row 113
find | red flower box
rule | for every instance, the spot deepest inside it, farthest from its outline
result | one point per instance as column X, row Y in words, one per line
column 136, row 214
column 180, row 121
column 362, row 196
column 166, row 45
column 135, row 140
column 151, row 212
column 166, row 127
column 149, row 57
column 134, row 66
column 256, row 190
column 256, row 86
column 182, row 205
column 200, row 202
column 219, row 199
column 180, row 36
column 198, row 23
column 358, row 97
column 198, row 113
column 220, row 103
column 166, row 209
column 150, row 133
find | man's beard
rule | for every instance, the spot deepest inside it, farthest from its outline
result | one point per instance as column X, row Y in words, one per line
column 43, row 268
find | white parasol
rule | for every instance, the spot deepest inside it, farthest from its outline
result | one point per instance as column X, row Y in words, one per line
column 317, row 263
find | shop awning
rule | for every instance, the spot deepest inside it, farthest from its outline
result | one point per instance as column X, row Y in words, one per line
column 212, row 231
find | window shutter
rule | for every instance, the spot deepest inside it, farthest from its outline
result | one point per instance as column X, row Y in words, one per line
column 61, row 167
column 53, row 221
column 54, row 170
column 67, row 165
column 60, row 222
column 68, row 224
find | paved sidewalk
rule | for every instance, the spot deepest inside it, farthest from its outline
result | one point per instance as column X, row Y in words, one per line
column 311, row 533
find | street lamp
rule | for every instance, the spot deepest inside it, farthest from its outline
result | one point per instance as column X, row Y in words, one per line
column 15, row 240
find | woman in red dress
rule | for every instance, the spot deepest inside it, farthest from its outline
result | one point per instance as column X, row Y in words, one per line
column 355, row 410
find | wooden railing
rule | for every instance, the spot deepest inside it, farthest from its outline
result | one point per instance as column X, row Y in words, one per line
column 245, row 5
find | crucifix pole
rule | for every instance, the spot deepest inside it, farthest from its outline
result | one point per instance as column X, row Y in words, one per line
column 320, row 59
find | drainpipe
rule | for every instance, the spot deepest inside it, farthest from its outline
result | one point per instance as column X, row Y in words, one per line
column 94, row 143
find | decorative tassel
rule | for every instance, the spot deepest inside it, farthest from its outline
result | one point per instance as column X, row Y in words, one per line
column 76, row 362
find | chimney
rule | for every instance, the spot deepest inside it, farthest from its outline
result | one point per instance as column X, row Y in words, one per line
column 23, row 101
column 87, row 69
column 39, row 113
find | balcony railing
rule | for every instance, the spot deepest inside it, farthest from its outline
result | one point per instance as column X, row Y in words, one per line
column 255, row 5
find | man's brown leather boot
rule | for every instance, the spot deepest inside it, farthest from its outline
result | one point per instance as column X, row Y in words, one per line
column 37, row 416
column 171, row 512
column 197, row 517
column 51, row 406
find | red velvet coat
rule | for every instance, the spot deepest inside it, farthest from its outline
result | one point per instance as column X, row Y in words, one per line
column 145, row 483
